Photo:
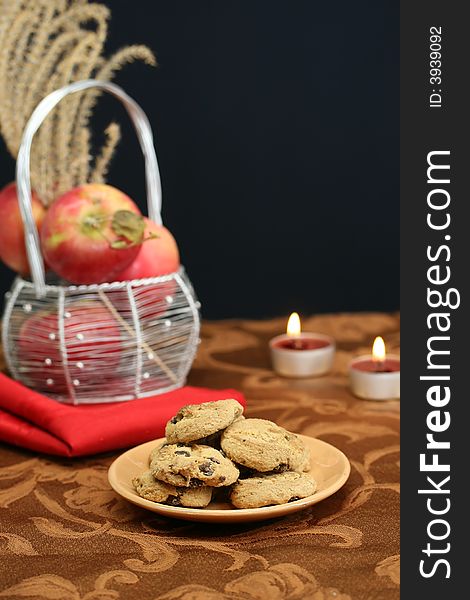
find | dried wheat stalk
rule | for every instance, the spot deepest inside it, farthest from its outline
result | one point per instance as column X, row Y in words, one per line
column 45, row 44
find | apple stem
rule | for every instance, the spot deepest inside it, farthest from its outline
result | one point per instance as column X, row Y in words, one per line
column 112, row 309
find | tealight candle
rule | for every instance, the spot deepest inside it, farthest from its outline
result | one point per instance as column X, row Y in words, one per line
column 376, row 376
column 301, row 354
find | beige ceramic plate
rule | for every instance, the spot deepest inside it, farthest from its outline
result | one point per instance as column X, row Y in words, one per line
column 330, row 469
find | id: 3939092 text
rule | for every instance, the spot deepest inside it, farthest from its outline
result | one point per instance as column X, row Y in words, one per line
column 435, row 67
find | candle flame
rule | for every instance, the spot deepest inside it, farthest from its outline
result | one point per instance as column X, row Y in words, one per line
column 378, row 350
column 293, row 325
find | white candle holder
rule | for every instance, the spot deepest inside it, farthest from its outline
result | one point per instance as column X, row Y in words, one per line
column 304, row 362
column 374, row 385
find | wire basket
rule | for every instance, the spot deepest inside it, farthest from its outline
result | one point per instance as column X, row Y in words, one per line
column 104, row 342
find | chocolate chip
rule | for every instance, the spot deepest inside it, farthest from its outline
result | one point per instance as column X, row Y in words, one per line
column 193, row 483
column 181, row 445
column 173, row 501
column 214, row 460
column 206, row 468
column 222, row 478
column 176, row 418
column 183, row 452
column 294, row 498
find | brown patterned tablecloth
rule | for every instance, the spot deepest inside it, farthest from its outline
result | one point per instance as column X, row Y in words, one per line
column 65, row 535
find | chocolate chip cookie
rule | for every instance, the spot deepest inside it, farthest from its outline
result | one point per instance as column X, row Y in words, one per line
column 149, row 488
column 196, row 422
column 264, row 446
column 192, row 466
column 267, row 490
column 158, row 491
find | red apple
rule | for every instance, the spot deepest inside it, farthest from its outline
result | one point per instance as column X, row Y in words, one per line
column 91, row 233
column 159, row 254
column 12, row 247
column 92, row 338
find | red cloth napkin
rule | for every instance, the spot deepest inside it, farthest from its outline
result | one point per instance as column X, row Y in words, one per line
column 34, row 421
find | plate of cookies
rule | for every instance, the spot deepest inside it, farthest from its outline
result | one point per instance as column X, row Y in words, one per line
column 215, row 465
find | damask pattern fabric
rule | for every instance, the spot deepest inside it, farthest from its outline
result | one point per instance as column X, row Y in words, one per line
column 64, row 534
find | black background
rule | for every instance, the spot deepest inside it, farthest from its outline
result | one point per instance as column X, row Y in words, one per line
column 276, row 127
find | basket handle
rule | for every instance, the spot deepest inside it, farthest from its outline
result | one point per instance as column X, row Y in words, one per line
column 23, row 180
